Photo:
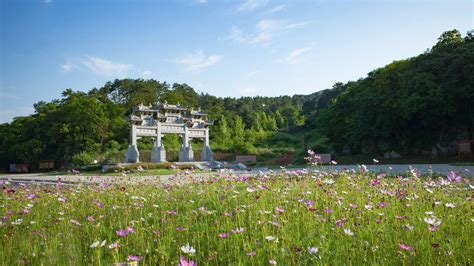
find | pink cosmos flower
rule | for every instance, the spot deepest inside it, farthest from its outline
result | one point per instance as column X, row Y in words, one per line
column 339, row 222
column 238, row 230
column 328, row 211
column 223, row 235
column 251, row 254
column 453, row 177
column 171, row 212
column 90, row 218
column 184, row 262
column 405, row 247
column 279, row 209
column 122, row 232
column 31, row 196
column 134, row 258
column 125, row 232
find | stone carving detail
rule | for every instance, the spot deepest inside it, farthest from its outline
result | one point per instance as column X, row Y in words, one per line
column 164, row 118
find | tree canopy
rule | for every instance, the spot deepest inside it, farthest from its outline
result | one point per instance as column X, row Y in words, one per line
column 406, row 106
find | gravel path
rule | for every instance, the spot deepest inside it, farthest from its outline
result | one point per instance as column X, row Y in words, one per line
column 440, row 169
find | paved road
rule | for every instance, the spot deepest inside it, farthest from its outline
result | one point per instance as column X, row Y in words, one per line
column 441, row 169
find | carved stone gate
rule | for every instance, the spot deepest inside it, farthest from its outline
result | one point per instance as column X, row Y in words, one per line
column 155, row 121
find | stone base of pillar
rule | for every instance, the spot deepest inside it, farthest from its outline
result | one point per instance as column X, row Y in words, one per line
column 132, row 155
column 158, row 154
column 206, row 154
column 186, row 154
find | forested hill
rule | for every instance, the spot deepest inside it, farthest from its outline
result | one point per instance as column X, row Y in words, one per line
column 408, row 106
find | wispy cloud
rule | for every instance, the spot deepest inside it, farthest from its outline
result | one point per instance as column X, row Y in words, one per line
column 265, row 31
column 197, row 61
column 250, row 5
column 248, row 91
column 67, row 67
column 147, row 73
column 252, row 74
column 295, row 56
column 47, row 1
column 274, row 9
column 104, row 67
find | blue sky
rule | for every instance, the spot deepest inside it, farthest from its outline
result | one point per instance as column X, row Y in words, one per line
column 225, row 48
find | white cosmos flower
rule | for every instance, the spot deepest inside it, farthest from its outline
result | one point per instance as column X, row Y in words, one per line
column 103, row 243
column 250, row 190
column 95, row 244
column 313, row 250
column 329, row 181
column 348, row 232
column 450, row 205
column 432, row 221
column 270, row 238
column 188, row 249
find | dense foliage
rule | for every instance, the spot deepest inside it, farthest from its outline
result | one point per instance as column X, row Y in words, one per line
column 408, row 106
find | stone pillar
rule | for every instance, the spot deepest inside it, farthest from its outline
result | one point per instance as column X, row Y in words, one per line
column 158, row 153
column 132, row 155
column 186, row 153
column 206, row 154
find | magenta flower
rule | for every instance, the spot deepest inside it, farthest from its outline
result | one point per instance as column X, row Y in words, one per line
column 31, row 196
column 328, row 211
column 134, row 258
column 433, row 228
column 375, row 182
column 223, row 235
column 171, row 212
column 382, row 204
column 453, row 177
column 125, row 232
column 184, row 262
column 122, row 232
column 405, row 247
column 179, row 228
column 99, row 205
column 340, row 222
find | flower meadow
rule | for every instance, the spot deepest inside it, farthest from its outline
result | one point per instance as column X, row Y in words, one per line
column 289, row 218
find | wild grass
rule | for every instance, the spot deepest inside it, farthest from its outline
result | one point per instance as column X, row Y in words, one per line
column 288, row 218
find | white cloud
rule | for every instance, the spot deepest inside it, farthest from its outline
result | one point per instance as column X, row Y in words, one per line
column 294, row 56
column 67, row 67
column 104, row 67
column 265, row 31
column 197, row 61
column 251, row 74
column 274, row 9
column 248, row 91
column 47, row 1
column 250, row 5
column 147, row 73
